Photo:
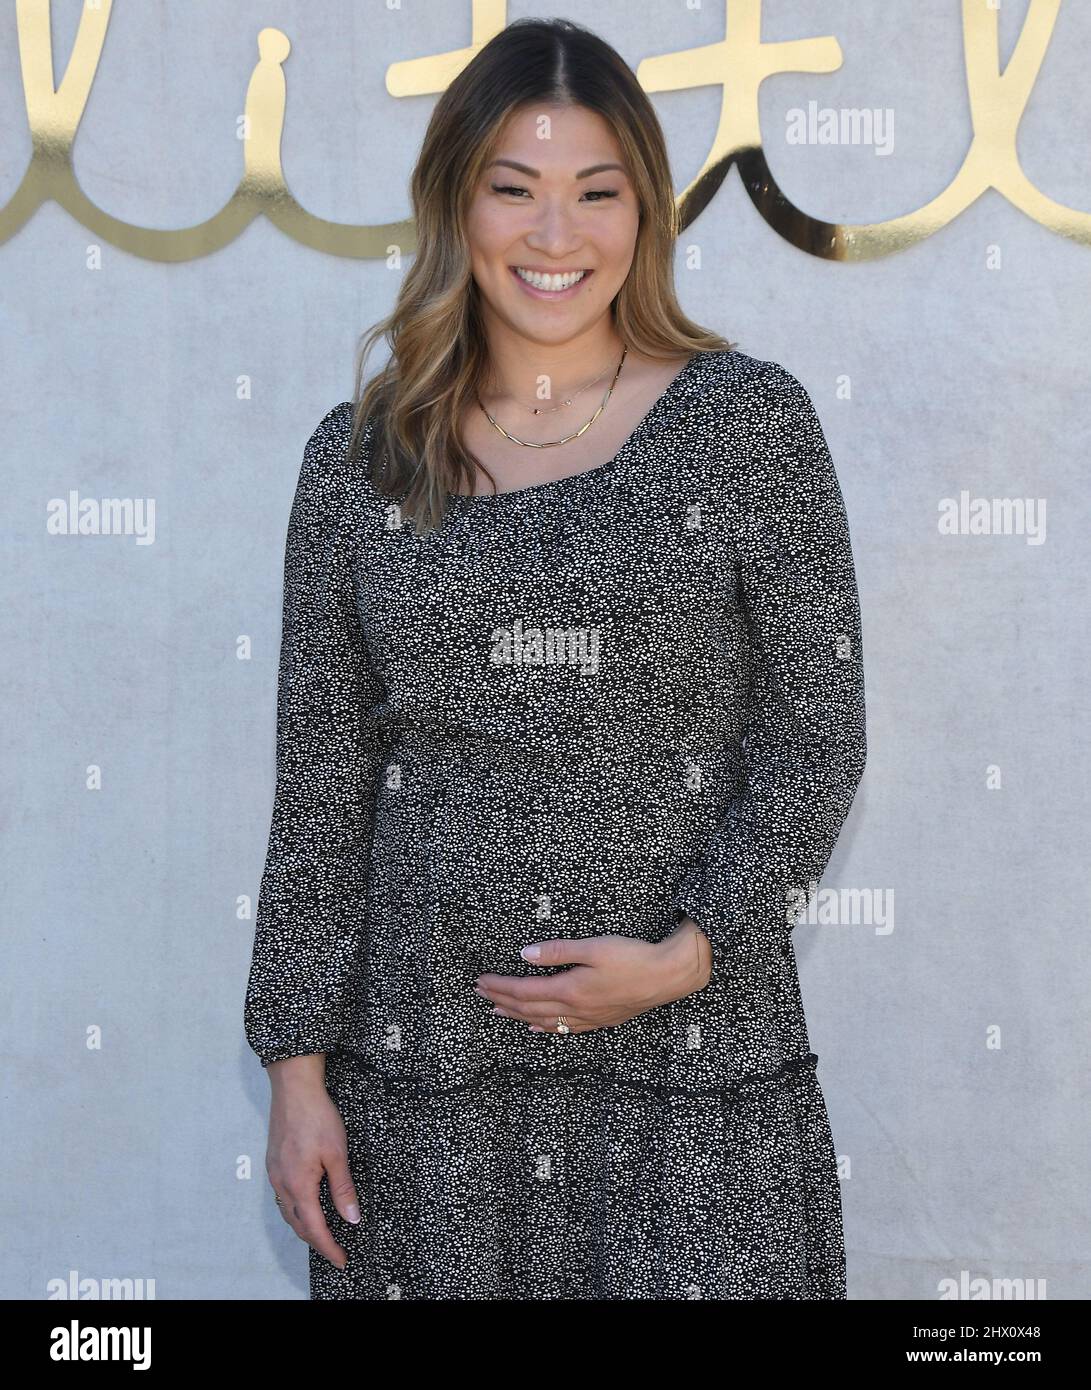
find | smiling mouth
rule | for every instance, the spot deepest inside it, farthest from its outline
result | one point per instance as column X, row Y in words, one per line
column 550, row 282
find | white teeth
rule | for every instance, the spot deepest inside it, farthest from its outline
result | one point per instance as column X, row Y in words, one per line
column 549, row 282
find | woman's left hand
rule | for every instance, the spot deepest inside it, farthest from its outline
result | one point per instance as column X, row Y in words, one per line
column 610, row 980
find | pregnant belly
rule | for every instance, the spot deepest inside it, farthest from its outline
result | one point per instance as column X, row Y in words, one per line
column 471, row 862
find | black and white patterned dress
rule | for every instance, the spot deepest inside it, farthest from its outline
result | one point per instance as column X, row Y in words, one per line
column 581, row 707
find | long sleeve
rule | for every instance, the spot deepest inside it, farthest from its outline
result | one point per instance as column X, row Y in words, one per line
column 804, row 744
column 310, row 914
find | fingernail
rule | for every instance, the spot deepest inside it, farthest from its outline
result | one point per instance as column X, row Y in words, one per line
column 531, row 952
column 352, row 1211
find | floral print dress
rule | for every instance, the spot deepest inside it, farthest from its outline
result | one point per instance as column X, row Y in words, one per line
column 585, row 706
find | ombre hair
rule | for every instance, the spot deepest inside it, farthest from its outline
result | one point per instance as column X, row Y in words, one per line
column 438, row 350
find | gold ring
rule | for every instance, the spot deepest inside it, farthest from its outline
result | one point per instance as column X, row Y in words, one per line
column 562, row 1024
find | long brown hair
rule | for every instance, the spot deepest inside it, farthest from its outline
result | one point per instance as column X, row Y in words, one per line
column 438, row 351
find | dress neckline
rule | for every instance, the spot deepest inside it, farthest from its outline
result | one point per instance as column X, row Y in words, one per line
column 535, row 490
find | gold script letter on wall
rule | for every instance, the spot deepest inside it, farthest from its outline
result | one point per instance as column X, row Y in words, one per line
column 737, row 64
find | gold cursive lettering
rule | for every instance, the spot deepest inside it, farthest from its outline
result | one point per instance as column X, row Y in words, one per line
column 738, row 64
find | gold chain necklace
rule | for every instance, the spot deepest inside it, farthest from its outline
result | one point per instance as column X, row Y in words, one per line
column 537, row 410
column 552, row 443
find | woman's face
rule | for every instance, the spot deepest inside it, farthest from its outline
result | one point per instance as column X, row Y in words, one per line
column 561, row 212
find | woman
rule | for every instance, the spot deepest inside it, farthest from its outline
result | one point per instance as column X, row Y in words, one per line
column 570, row 714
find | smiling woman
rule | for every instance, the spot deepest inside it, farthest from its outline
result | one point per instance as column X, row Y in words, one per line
column 527, row 174
column 585, row 217
column 552, row 282
column 552, row 758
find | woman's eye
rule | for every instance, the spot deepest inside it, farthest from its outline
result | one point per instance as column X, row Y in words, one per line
column 595, row 193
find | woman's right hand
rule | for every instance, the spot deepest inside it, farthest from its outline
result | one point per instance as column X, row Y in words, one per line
column 306, row 1138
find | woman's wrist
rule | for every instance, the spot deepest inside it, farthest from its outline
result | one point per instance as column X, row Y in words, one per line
column 306, row 1070
column 687, row 960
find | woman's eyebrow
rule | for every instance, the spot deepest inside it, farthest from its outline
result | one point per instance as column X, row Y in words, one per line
column 536, row 174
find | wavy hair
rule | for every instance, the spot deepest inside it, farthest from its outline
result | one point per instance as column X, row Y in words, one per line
column 438, row 352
